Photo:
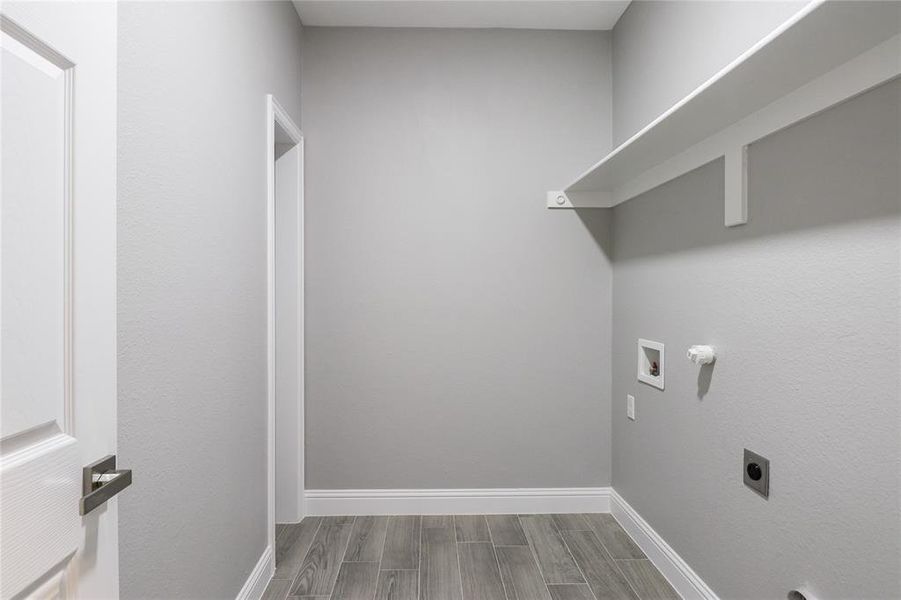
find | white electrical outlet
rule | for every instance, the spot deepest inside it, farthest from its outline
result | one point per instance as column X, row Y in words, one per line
column 630, row 406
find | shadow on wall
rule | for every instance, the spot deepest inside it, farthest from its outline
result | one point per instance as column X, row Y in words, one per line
column 705, row 376
column 599, row 223
column 786, row 201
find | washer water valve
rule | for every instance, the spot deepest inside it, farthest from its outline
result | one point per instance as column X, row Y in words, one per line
column 702, row 355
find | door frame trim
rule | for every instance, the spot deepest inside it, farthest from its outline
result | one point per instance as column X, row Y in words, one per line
column 277, row 115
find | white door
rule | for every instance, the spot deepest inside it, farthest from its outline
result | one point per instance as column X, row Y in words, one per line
column 57, row 299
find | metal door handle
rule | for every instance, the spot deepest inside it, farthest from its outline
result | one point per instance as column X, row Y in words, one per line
column 101, row 481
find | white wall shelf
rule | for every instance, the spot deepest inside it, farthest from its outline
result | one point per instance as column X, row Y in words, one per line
column 827, row 53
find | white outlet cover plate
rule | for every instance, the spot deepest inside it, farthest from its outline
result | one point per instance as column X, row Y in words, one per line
column 630, row 406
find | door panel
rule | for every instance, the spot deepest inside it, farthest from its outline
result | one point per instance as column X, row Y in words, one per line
column 40, row 535
column 35, row 126
column 57, row 296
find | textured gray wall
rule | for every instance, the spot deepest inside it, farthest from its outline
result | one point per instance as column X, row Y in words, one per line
column 458, row 332
column 192, row 287
column 662, row 50
column 803, row 305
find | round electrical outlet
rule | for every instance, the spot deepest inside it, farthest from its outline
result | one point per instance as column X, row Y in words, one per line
column 754, row 471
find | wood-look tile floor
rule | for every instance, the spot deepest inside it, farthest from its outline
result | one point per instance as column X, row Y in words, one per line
column 462, row 557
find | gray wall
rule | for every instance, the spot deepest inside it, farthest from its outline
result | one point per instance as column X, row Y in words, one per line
column 192, row 287
column 803, row 305
column 662, row 50
column 458, row 333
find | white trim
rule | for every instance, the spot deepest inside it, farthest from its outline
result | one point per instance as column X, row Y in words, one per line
column 301, row 328
column 259, row 578
column 682, row 577
column 270, row 320
column 68, row 253
column 276, row 114
column 458, row 501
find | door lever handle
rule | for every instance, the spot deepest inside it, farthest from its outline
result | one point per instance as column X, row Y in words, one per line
column 100, row 482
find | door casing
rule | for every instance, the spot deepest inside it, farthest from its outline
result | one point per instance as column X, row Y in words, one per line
column 278, row 118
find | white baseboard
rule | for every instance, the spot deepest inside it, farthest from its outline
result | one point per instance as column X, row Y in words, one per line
column 681, row 576
column 259, row 578
column 457, row 501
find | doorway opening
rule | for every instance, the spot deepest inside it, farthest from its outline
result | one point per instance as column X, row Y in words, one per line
column 284, row 153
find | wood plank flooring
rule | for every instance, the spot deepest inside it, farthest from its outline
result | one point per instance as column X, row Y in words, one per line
column 463, row 557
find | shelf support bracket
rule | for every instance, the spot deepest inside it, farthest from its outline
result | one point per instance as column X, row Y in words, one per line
column 594, row 199
column 736, row 180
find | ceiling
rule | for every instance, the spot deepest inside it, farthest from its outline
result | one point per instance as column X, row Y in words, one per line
column 509, row 14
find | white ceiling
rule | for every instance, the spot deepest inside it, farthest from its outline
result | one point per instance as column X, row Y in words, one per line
column 510, row 14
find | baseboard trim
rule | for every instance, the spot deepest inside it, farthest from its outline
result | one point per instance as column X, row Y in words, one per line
column 457, row 501
column 681, row 576
column 259, row 578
